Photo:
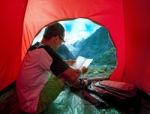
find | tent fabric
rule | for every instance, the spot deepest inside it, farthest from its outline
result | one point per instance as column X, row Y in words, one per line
column 137, row 33
column 127, row 21
column 11, row 27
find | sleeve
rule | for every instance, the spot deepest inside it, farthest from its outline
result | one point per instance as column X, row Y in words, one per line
column 45, row 60
column 58, row 66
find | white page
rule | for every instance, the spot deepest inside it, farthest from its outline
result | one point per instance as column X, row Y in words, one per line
column 87, row 62
column 82, row 61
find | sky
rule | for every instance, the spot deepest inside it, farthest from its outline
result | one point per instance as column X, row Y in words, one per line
column 75, row 30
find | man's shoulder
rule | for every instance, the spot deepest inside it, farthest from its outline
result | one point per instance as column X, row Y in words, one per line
column 38, row 52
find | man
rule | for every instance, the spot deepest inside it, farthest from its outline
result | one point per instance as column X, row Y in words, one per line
column 36, row 87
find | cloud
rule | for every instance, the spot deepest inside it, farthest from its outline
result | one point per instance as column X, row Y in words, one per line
column 78, row 29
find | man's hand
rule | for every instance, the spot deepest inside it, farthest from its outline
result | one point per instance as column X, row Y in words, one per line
column 71, row 75
column 84, row 70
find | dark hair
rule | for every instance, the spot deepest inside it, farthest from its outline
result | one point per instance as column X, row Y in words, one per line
column 54, row 30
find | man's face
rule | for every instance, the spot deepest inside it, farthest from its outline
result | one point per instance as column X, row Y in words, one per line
column 59, row 41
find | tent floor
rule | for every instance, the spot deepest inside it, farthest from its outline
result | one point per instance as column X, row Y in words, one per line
column 66, row 103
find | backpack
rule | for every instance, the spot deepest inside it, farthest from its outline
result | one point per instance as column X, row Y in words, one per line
column 106, row 93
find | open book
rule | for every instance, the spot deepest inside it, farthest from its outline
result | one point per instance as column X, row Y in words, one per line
column 82, row 62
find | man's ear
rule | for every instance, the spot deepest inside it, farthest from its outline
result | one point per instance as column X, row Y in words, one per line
column 55, row 39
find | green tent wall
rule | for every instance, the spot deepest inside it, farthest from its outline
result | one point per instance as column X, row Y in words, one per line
column 126, row 20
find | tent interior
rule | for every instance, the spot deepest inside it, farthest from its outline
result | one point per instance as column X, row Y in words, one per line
column 127, row 22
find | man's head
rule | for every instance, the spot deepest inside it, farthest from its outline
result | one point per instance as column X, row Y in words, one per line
column 54, row 35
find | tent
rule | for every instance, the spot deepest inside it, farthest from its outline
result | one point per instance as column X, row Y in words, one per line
column 126, row 20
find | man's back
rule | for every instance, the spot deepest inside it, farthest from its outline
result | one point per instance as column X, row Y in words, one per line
column 32, row 78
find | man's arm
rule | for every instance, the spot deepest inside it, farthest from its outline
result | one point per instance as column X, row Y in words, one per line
column 70, row 62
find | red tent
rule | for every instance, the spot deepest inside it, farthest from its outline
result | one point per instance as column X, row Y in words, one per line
column 126, row 20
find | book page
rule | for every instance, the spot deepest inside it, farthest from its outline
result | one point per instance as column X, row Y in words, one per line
column 82, row 62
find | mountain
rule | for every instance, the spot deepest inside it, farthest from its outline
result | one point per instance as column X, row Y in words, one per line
column 64, row 52
column 95, row 46
column 107, row 58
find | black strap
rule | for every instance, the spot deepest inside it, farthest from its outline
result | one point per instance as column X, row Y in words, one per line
column 58, row 66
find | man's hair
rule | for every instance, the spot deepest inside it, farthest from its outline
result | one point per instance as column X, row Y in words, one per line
column 54, row 30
